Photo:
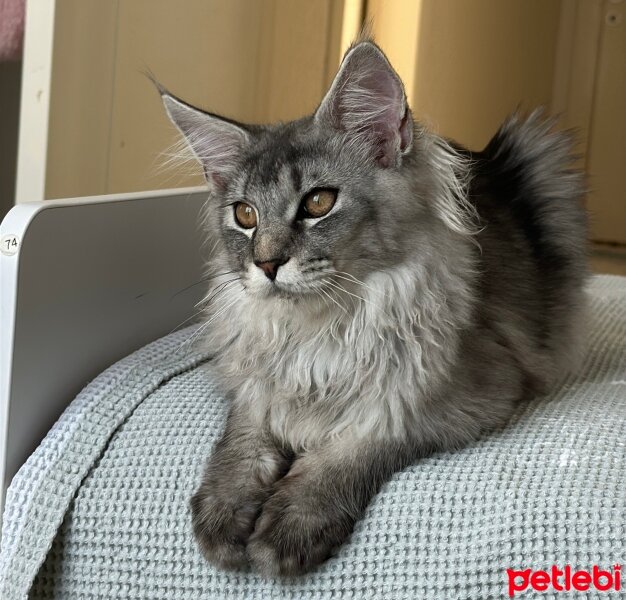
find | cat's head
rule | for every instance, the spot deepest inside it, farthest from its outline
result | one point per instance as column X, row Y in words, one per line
column 339, row 194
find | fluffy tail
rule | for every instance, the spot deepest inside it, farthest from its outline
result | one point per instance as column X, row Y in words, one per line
column 532, row 166
column 530, row 170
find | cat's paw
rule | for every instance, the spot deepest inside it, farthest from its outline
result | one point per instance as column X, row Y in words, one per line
column 222, row 529
column 291, row 537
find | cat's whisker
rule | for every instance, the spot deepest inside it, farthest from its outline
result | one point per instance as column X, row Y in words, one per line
column 191, row 339
column 321, row 297
column 366, row 300
column 195, row 315
column 330, row 297
column 341, row 288
column 223, row 309
column 342, row 292
column 217, row 291
column 350, row 277
column 198, row 313
column 220, row 312
column 205, row 325
column 203, row 280
column 223, row 288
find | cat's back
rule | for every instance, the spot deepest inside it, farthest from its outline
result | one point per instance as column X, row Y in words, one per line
column 533, row 242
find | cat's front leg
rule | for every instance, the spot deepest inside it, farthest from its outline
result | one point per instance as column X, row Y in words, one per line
column 237, row 479
column 313, row 509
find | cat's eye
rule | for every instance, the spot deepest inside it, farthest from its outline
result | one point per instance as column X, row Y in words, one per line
column 318, row 203
column 245, row 215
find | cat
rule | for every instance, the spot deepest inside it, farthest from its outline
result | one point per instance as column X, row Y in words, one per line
column 377, row 294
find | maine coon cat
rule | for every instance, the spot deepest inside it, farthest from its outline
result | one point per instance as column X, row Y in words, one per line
column 377, row 294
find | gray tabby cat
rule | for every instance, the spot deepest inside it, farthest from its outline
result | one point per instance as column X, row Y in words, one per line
column 377, row 295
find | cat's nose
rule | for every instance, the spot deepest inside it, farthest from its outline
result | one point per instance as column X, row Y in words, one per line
column 270, row 267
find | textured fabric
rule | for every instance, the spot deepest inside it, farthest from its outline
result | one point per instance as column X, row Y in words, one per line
column 100, row 510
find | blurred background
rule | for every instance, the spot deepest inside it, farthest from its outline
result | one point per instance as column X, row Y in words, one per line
column 78, row 117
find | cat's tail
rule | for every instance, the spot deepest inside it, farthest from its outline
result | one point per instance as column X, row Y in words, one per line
column 531, row 170
column 532, row 165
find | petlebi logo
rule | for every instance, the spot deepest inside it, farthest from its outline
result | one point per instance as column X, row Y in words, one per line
column 565, row 579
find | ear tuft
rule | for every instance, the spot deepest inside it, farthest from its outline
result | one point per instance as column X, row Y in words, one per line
column 216, row 142
column 367, row 101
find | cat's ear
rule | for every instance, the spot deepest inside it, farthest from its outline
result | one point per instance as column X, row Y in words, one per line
column 368, row 102
column 215, row 142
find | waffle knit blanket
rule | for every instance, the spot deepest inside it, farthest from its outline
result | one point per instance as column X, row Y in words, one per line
column 100, row 510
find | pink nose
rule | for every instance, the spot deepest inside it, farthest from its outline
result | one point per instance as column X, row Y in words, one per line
column 270, row 267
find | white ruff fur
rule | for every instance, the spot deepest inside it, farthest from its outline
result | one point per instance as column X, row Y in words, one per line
column 309, row 370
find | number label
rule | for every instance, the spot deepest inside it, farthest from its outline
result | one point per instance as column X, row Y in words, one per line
column 9, row 244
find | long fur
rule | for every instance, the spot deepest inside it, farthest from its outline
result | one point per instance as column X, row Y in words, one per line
column 444, row 287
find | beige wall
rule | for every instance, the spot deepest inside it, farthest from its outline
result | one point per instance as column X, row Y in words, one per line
column 395, row 26
column 81, row 92
column 255, row 61
column 606, row 151
column 99, row 128
column 272, row 59
column 467, row 65
column 477, row 61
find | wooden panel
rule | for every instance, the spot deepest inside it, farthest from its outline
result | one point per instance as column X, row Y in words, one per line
column 206, row 54
column 607, row 140
column 80, row 97
column 395, row 26
column 575, row 69
column 294, row 55
column 345, row 20
column 253, row 61
column 478, row 61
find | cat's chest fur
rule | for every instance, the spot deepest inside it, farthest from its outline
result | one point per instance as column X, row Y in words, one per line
column 363, row 371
